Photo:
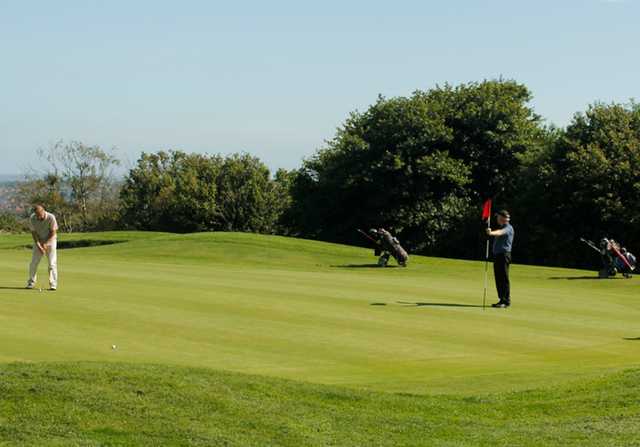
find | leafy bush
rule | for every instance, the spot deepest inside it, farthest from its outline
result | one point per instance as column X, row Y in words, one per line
column 10, row 223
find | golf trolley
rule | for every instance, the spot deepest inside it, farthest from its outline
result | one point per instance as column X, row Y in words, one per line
column 386, row 246
column 615, row 259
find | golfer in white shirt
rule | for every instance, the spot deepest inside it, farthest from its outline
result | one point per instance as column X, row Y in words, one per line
column 44, row 230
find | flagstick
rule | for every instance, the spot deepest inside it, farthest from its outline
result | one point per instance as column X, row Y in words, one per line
column 486, row 268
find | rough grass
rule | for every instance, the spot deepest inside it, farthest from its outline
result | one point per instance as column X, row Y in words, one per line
column 98, row 404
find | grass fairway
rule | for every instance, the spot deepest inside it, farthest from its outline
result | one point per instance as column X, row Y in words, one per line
column 315, row 313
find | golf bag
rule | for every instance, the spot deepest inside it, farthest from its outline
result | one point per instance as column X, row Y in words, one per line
column 615, row 259
column 386, row 246
column 626, row 268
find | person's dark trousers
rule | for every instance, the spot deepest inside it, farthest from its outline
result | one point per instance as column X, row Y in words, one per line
column 501, row 264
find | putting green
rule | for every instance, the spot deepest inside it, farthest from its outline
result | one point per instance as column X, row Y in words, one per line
column 310, row 311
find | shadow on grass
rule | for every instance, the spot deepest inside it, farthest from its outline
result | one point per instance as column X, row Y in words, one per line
column 377, row 304
column 82, row 243
column 573, row 278
column 363, row 266
column 12, row 288
column 632, row 338
column 420, row 304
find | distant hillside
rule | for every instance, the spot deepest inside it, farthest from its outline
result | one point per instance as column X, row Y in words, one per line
column 9, row 194
column 9, row 178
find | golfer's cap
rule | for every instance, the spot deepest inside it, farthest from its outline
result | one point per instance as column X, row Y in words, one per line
column 504, row 213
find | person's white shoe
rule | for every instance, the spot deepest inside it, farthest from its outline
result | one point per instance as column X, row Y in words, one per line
column 30, row 286
column 53, row 288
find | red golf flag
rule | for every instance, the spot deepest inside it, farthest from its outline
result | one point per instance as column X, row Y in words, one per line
column 486, row 210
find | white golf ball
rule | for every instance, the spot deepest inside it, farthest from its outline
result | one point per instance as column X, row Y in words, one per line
column 114, row 347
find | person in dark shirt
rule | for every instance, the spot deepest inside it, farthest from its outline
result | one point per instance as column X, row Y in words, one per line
column 502, row 245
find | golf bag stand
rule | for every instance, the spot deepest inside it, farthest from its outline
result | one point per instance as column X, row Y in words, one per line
column 384, row 259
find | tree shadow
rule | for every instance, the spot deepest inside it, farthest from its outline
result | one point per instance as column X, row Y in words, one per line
column 363, row 266
column 82, row 243
column 421, row 304
column 573, row 278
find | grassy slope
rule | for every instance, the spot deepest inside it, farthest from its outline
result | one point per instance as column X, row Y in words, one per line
column 98, row 404
column 295, row 309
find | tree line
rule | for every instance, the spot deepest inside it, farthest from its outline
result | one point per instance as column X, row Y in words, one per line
column 420, row 165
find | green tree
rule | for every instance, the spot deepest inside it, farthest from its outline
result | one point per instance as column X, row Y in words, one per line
column 179, row 192
column 78, row 184
column 532, row 205
column 418, row 164
column 488, row 125
column 595, row 189
column 49, row 189
column 11, row 223
column 248, row 199
column 282, row 200
column 171, row 191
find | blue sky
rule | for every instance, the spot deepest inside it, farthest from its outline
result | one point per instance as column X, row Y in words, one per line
column 275, row 78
